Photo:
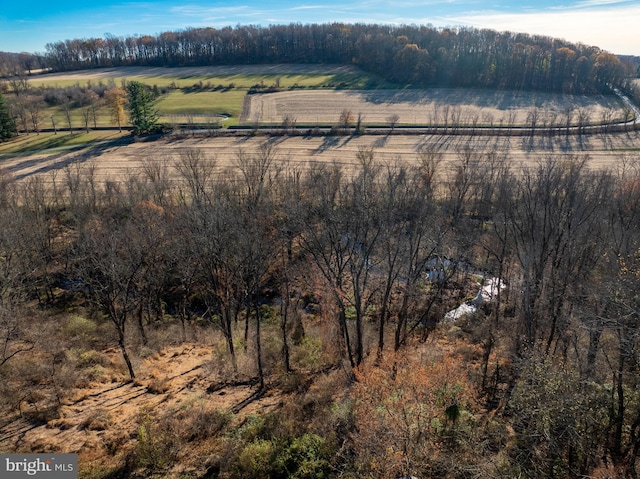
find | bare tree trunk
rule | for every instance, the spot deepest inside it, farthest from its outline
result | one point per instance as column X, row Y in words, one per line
column 143, row 333
column 259, row 348
column 125, row 354
column 284, row 312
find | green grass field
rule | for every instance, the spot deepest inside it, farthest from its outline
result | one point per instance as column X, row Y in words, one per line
column 182, row 105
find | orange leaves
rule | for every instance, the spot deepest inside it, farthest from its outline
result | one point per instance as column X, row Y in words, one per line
column 404, row 413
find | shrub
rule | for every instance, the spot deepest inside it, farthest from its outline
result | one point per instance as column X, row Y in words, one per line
column 410, row 415
column 305, row 457
column 201, row 422
column 79, row 327
column 158, row 386
column 157, row 445
column 91, row 358
column 308, row 353
column 558, row 419
column 256, row 460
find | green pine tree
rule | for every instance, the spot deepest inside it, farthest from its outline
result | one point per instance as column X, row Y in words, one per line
column 7, row 124
column 142, row 113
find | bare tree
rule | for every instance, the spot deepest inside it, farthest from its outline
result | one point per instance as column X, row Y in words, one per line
column 82, row 191
column 551, row 221
column 464, row 174
column 19, row 84
column 345, row 120
column 89, row 101
column 35, row 107
column 258, row 171
column 157, row 175
column 196, row 170
column 13, row 340
column 323, row 227
column 111, row 264
column 533, row 118
column 288, row 124
column 584, row 118
column 568, row 118
column 257, row 239
column 66, row 108
column 393, row 121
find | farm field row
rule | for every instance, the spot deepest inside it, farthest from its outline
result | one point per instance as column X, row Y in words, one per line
column 317, row 95
column 187, row 76
column 434, row 106
column 118, row 162
column 193, row 91
column 375, row 107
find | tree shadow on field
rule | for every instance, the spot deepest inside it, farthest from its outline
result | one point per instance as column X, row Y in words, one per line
column 243, row 139
column 348, row 140
column 55, row 162
column 276, row 140
column 327, row 143
column 381, row 141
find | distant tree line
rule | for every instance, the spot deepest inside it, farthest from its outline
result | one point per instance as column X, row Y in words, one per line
column 422, row 55
column 17, row 64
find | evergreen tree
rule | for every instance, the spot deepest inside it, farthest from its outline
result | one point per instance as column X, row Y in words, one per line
column 7, row 124
column 142, row 113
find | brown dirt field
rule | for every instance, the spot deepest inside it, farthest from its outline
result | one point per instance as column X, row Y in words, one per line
column 118, row 162
column 425, row 107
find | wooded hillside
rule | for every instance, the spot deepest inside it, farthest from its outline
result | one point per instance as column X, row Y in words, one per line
column 421, row 55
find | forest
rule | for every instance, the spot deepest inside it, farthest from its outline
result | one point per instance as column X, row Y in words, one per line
column 331, row 285
column 419, row 55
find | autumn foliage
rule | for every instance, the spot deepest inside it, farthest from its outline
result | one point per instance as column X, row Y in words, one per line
column 411, row 414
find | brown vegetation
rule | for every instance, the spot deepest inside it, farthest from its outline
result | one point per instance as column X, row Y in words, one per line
column 253, row 317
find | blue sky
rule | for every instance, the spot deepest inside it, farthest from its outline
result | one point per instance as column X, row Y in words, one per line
column 28, row 25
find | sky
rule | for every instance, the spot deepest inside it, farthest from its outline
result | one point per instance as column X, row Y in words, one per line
column 28, row 25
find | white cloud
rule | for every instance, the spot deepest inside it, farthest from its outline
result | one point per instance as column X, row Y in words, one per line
column 598, row 3
column 612, row 29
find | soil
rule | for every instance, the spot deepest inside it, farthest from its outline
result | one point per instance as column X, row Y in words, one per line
column 425, row 106
column 121, row 160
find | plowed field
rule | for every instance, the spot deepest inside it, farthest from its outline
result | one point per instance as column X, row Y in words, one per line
column 434, row 106
column 117, row 162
